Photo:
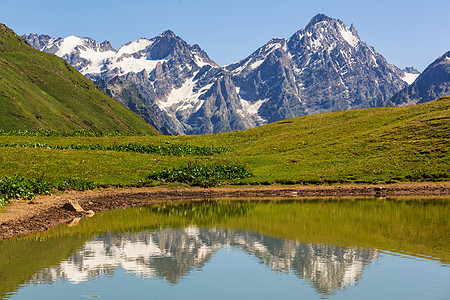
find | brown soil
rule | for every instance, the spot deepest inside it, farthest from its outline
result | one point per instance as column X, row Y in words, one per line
column 23, row 217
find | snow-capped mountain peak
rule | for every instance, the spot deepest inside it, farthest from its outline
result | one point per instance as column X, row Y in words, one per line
column 320, row 68
column 102, row 61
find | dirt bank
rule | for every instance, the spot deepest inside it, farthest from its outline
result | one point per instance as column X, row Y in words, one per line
column 23, row 217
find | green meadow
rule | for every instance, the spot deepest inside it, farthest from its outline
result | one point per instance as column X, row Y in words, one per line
column 374, row 146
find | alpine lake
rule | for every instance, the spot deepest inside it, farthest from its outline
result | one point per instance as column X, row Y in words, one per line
column 321, row 248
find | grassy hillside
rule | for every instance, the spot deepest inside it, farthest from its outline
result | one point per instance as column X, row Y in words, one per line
column 377, row 145
column 41, row 91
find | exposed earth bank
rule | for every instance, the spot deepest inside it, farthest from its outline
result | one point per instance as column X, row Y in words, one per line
column 22, row 217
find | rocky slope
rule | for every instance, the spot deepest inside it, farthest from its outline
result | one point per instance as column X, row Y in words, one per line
column 126, row 93
column 433, row 83
column 323, row 67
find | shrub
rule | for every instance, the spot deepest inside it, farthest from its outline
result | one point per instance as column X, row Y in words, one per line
column 76, row 184
column 201, row 175
column 21, row 188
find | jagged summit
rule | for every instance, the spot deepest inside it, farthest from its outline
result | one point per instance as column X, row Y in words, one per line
column 326, row 30
column 317, row 19
column 168, row 33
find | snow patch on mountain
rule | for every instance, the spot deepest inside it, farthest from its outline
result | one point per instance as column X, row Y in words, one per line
column 348, row 36
column 185, row 97
column 410, row 77
column 256, row 64
column 200, row 62
column 136, row 65
column 69, row 44
column 252, row 108
column 181, row 95
column 135, row 47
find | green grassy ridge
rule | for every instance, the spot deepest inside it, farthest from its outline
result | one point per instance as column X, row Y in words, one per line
column 377, row 145
column 39, row 90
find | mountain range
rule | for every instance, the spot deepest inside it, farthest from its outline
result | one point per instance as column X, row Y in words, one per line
column 178, row 89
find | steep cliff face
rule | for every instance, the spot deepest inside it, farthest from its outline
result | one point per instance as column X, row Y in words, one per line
column 127, row 94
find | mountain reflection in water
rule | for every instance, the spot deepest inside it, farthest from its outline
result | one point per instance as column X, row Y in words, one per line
column 171, row 254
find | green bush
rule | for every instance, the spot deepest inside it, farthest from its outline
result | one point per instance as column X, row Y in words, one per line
column 76, row 184
column 200, row 175
column 20, row 188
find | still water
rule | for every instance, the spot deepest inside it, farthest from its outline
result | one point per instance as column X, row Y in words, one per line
column 279, row 249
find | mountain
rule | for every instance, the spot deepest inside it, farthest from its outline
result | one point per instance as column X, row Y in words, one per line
column 42, row 91
column 321, row 68
column 433, row 83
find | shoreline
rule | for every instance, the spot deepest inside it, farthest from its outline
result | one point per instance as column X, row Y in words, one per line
column 22, row 217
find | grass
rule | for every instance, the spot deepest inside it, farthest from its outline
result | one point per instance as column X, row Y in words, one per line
column 374, row 146
column 73, row 132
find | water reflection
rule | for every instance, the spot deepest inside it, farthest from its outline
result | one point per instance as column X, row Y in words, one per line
column 171, row 254
column 283, row 243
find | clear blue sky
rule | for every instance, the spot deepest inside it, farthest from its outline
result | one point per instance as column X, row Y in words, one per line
column 406, row 32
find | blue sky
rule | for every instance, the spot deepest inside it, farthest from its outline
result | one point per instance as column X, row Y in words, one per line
column 406, row 33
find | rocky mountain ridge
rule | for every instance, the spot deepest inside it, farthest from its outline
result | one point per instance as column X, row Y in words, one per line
column 321, row 68
column 433, row 83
